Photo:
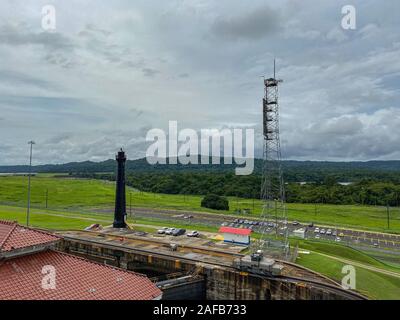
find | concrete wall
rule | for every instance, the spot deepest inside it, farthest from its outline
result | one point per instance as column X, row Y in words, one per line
column 225, row 284
column 220, row 283
column 192, row 290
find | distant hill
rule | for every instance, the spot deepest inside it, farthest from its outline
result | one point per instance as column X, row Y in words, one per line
column 294, row 170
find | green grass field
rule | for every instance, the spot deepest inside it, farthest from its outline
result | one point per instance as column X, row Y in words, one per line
column 87, row 195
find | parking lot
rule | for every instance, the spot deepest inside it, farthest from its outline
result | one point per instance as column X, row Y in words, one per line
column 339, row 235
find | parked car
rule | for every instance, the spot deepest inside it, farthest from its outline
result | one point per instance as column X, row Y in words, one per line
column 178, row 232
column 316, row 230
column 341, row 234
column 334, row 233
column 94, row 227
column 295, row 223
column 236, row 221
column 337, row 239
column 241, row 221
column 322, row 231
column 329, row 232
column 193, row 234
column 162, row 230
column 169, row 231
column 317, row 236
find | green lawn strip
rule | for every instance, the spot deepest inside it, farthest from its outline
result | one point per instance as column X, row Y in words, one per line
column 374, row 285
column 339, row 251
column 345, row 252
column 53, row 220
column 390, row 259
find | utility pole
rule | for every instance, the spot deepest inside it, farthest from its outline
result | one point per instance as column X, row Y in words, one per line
column 29, row 183
column 47, row 197
column 130, row 204
column 388, row 215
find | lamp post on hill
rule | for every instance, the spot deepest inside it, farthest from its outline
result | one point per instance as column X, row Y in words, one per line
column 29, row 182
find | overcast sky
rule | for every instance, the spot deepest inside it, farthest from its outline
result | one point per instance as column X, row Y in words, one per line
column 112, row 70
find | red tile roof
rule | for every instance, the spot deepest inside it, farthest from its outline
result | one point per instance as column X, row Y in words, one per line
column 76, row 279
column 14, row 236
column 241, row 231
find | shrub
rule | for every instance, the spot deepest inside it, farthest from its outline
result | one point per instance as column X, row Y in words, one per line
column 213, row 201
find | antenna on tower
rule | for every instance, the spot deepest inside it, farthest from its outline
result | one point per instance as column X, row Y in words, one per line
column 274, row 69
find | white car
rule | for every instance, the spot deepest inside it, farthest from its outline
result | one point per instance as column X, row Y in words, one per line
column 316, row 230
column 338, row 239
column 193, row 234
column 162, row 230
column 322, row 231
column 317, row 236
column 169, row 231
column 329, row 232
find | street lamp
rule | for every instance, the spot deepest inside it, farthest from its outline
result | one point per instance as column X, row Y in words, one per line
column 29, row 182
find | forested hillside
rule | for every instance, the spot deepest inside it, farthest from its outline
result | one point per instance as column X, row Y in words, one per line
column 294, row 171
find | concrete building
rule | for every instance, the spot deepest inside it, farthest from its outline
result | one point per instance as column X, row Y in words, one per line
column 236, row 235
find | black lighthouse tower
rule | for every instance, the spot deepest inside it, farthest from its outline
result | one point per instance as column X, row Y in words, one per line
column 120, row 202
